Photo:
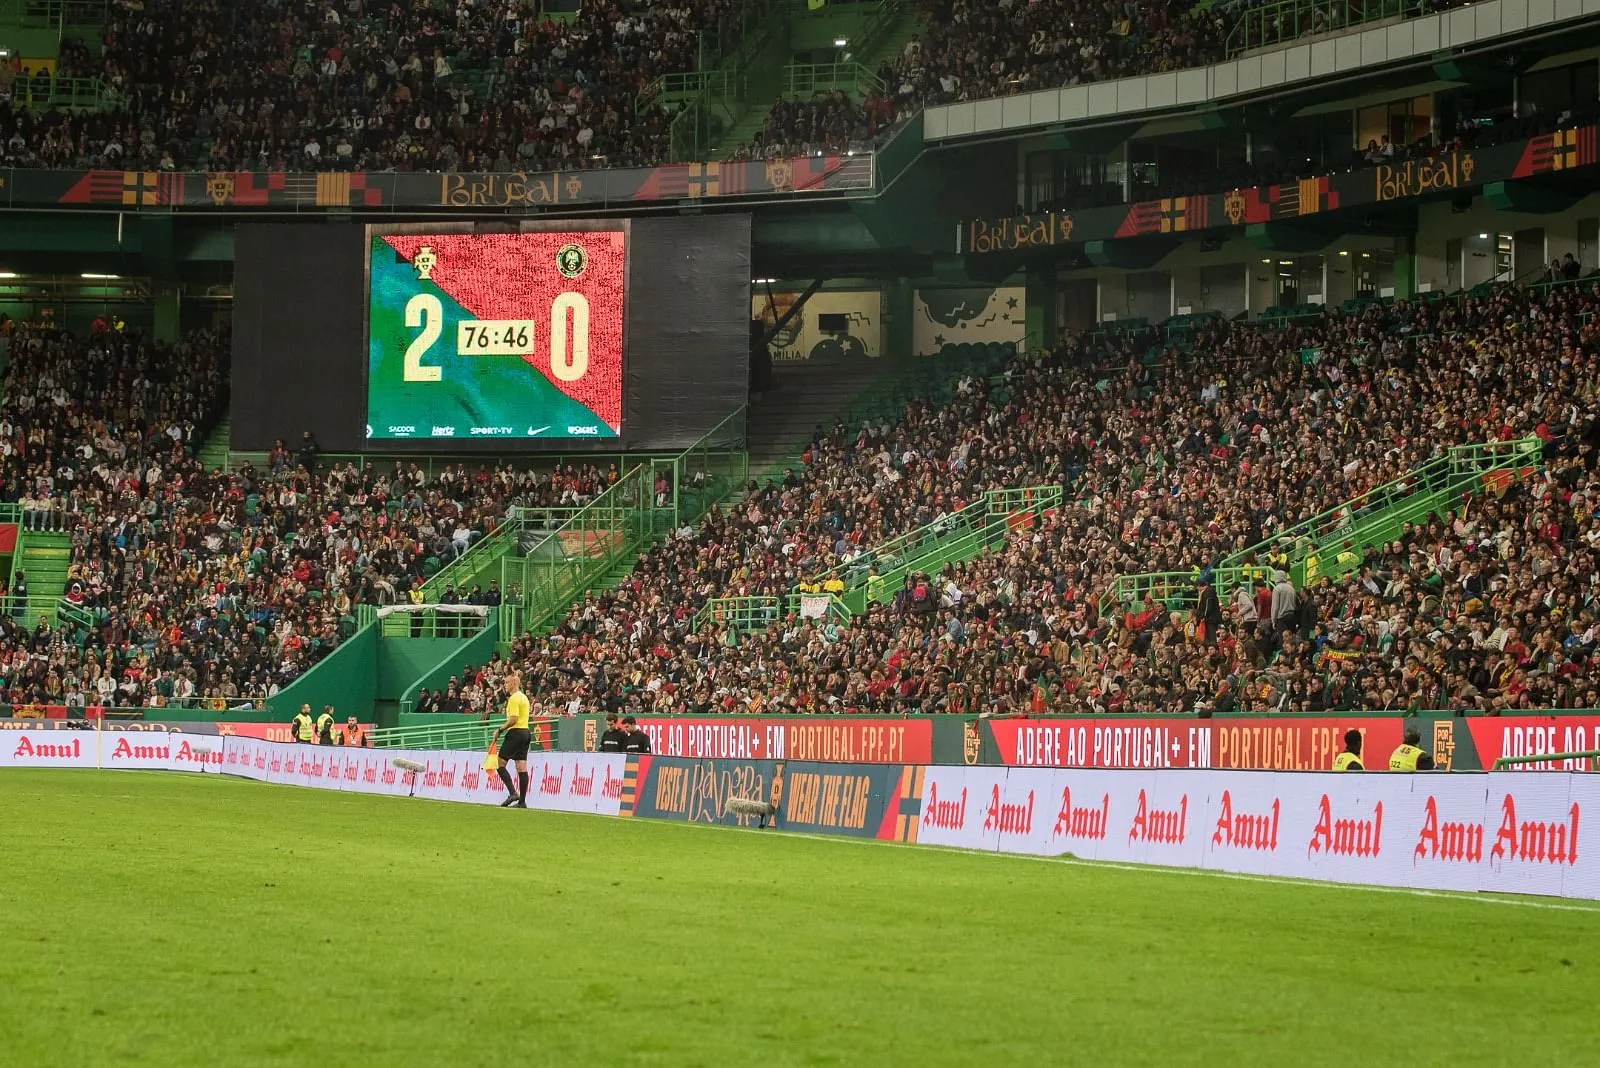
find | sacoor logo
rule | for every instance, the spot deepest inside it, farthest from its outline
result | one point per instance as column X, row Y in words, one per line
column 1085, row 823
column 949, row 815
column 1346, row 837
column 1454, row 842
column 1166, row 826
column 47, row 750
column 1008, row 819
column 1534, row 841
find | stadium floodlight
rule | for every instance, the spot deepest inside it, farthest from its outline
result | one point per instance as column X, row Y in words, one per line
column 96, row 276
column 744, row 806
column 414, row 768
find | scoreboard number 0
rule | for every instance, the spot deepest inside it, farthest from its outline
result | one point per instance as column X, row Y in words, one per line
column 569, row 337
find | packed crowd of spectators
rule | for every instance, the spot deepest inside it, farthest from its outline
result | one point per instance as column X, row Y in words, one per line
column 1170, row 465
column 493, row 85
column 210, row 586
column 319, row 85
column 222, row 586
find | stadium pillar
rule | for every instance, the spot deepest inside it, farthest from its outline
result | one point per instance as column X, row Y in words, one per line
column 1405, row 268
column 898, row 309
column 1040, row 283
column 165, row 327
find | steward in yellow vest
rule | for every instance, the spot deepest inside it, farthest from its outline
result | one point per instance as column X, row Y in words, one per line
column 1409, row 757
column 300, row 727
column 1350, row 759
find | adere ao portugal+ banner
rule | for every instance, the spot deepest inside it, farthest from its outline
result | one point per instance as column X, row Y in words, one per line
column 497, row 335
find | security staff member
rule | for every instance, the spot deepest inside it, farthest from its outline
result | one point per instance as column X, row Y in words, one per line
column 514, row 744
column 1350, row 759
column 325, row 726
column 300, row 727
column 352, row 733
column 638, row 741
column 614, row 739
column 1409, row 756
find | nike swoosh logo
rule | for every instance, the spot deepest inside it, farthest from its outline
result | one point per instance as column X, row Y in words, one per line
column 532, row 432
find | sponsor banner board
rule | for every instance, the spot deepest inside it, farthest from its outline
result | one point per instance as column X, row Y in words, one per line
column 861, row 800
column 1520, row 736
column 1502, row 832
column 842, row 739
column 697, row 791
column 1277, row 743
column 50, row 749
column 955, row 802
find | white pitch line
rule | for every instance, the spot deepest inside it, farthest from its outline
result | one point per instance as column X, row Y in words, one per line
column 1279, row 880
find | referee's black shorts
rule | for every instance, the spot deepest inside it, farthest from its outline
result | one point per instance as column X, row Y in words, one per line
column 514, row 744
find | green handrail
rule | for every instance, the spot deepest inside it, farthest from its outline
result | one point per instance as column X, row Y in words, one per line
column 1332, row 544
column 873, row 577
column 615, row 525
column 807, row 79
column 741, row 614
column 434, row 736
column 1591, row 755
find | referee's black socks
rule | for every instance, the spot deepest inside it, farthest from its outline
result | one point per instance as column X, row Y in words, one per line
column 505, row 777
column 522, row 785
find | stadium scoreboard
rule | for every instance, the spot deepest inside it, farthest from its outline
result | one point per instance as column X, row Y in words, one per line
column 496, row 335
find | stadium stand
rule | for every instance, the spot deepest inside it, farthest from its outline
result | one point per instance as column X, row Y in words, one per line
column 1174, row 457
column 189, row 585
column 409, row 86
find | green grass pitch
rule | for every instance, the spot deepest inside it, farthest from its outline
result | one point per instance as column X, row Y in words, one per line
column 176, row 920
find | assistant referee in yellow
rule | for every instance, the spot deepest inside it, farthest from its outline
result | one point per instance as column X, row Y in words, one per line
column 514, row 737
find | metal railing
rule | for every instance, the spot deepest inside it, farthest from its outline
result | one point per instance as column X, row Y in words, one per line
column 874, row 576
column 712, row 469
column 1287, row 20
column 459, row 736
column 741, row 614
column 681, row 84
column 1592, row 756
column 571, row 559
column 807, row 79
column 1333, row 544
column 70, row 94
column 456, row 626
column 58, row 14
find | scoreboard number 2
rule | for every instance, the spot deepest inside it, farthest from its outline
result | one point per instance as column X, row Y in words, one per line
column 568, row 348
column 424, row 310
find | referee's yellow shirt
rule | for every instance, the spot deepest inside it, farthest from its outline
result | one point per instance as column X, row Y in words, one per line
column 517, row 709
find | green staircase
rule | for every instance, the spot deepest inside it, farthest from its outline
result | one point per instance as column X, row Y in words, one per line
column 44, row 558
column 875, row 576
column 904, row 23
column 1333, row 544
column 744, row 100
column 214, row 453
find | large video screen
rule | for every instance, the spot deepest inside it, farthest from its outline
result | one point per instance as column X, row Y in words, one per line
column 491, row 336
column 495, row 335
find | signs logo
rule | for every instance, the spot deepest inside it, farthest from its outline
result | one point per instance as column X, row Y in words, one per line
column 571, row 261
column 425, row 261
